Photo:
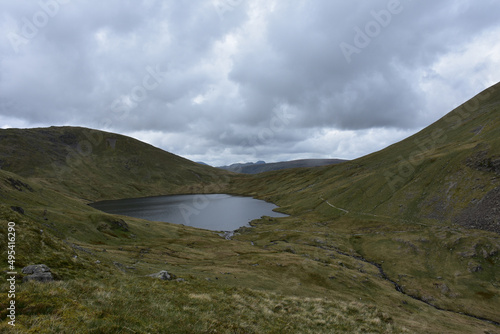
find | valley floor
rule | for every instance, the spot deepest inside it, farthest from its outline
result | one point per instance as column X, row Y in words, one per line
column 293, row 275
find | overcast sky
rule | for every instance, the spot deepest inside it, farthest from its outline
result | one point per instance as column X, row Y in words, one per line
column 225, row 81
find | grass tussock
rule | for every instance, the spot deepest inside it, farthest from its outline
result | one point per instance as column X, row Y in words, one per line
column 144, row 305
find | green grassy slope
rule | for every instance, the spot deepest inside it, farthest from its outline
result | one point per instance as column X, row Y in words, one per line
column 432, row 176
column 416, row 208
column 99, row 165
column 286, row 275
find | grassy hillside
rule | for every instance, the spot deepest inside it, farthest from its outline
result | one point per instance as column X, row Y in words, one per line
column 434, row 176
column 99, row 165
column 372, row 245
column 282, row 276
column 425, row 209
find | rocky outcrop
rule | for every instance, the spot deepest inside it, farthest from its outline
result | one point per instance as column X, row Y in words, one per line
column 485, row 215
column 37, row 272
column 19, row 185
column 482, row 161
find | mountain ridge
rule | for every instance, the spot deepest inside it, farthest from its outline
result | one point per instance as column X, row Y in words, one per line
column 261, row 166
column 101, row 165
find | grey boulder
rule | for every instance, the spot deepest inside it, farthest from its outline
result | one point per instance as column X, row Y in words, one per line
column 37, row 272
column 163, row 275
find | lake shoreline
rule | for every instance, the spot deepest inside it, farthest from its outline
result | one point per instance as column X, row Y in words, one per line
column 215, row 212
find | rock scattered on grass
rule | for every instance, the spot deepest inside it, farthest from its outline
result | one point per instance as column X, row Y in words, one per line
column 37, row 272
column 119, row 224
column 163, row 275
column 18, row 209
column 474, row 267
column 19, row 185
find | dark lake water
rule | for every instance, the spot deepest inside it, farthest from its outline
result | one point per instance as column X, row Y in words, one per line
column 217, row 212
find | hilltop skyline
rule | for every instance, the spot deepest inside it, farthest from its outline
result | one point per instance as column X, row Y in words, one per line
column 235, row 81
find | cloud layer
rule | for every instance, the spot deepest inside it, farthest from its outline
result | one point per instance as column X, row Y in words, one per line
column 228, row 81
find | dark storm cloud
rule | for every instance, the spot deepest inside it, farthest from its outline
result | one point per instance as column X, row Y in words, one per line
column 306, row 67
column 233, row 80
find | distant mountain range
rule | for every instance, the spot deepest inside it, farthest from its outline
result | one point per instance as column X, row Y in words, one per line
column 262, row 166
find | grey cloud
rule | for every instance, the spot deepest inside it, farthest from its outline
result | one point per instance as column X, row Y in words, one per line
column 306, row 68
column 226, row 73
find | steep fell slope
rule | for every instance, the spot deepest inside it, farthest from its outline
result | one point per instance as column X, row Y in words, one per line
column 424, row 210
column 98, row 165
column 448, row 172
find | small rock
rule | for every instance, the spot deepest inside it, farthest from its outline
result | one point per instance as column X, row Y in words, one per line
column 163, row 275
column 427, row 299
column 97, row 262
column 35, row 268
column 18, row 209
column 119, row 224
column 474, row 267
column 119, row 266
